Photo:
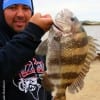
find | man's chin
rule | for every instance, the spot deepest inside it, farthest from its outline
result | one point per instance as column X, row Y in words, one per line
column 19, row 29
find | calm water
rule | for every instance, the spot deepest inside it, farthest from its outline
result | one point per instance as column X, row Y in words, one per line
column 94, row 30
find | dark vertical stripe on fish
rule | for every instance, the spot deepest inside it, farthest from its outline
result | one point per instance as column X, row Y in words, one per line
column 76, row 59
column 68, row 75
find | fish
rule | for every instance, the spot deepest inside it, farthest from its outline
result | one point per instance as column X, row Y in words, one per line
column 69, row 51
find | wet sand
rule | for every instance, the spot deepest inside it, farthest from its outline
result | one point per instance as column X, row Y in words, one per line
column 91, row 89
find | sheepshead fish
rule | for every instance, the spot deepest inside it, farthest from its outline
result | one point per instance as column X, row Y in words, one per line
column 69, row 52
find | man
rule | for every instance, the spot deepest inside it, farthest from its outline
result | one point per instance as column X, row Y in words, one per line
column 20, row 34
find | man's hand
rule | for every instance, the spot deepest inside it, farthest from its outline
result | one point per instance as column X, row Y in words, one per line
column 44, row 21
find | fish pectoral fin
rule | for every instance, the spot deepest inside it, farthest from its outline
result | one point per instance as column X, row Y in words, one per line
column 42, row 48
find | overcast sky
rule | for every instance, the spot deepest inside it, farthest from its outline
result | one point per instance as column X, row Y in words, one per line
column 83, row 9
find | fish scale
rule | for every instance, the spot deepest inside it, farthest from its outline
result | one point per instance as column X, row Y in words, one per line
column 69, row 52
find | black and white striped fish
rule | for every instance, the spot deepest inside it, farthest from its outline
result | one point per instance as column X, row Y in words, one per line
column 69, row 52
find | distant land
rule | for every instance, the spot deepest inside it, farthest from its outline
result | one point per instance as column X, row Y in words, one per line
column 87, row 22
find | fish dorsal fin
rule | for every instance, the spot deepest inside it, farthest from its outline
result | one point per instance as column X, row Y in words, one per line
column 79, row 83
column 42, row 48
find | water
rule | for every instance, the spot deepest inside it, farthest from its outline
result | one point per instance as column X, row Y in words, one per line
column 94, row 30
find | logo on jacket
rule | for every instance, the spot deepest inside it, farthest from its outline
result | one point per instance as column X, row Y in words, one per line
column 30, row 85
column 28, row 77
column 32, row 67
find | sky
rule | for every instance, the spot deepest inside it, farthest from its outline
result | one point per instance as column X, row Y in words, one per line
column 82, row 9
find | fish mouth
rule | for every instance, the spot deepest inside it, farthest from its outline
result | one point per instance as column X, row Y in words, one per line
column 58, row 27
column 64, row 30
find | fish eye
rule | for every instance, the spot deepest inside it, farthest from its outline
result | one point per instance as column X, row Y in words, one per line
column 72, row 19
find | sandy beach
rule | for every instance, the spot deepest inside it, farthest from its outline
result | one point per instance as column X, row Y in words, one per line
column 91, row 89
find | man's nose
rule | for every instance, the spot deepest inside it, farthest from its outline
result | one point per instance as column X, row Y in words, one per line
column 20, row 12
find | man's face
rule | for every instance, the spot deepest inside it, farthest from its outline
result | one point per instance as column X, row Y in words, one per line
column 17, row 16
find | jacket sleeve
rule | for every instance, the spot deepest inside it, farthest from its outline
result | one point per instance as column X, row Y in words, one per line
column 19, row 50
